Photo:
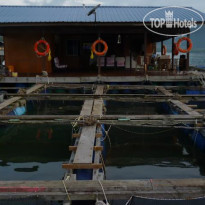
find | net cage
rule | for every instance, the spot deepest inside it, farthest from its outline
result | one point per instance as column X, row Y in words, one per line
column 145, row 201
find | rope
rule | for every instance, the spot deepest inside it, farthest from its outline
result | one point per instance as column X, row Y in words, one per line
column 75, row 123
column 103, row 192
column 129, row 200
column 103, row 163
column 153, row 133
column 106, row 135
column 66, row 190
column 199, row 76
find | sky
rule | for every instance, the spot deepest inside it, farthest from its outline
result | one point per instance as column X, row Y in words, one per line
column 197, row 4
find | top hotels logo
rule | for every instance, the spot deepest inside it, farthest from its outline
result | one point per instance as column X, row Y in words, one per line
column 164, row 20
column 169, row 19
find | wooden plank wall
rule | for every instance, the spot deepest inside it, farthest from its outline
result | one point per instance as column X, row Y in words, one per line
column 19, row 52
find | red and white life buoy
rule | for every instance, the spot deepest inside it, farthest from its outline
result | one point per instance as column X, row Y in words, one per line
column 189, row 43
column 47, row 50
column 97, row 52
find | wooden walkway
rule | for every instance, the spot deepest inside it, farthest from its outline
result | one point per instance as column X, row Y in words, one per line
column 85, row 150
column 114, row 189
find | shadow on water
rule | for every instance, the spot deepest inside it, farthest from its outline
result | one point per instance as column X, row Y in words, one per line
column 30, row 152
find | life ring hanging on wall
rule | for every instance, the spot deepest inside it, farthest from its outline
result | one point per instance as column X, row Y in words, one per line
column 99, row 41
column 184, row 50
column 47, row 50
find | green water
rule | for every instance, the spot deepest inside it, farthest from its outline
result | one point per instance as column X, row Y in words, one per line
column 36, row 152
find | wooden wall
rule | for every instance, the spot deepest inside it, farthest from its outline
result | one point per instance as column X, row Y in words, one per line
column 19, row 52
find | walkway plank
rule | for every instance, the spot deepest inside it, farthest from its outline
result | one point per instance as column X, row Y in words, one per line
column 9, row 102
column 164, row 91
column 185, row 108
column 84, row 152
column 34, row 88
column 87, row 107
column 99, row 90
column 14, row 99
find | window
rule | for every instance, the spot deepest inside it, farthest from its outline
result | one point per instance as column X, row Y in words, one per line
column 72, row 47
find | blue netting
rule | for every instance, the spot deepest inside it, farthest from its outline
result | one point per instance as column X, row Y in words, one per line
column 144, row 201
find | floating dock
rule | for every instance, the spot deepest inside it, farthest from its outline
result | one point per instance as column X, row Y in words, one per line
column 87, row 149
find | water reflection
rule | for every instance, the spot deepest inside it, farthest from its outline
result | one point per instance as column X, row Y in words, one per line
column 152, row 153
column 37, row 151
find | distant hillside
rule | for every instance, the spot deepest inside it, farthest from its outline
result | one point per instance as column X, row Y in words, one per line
column 198, row 39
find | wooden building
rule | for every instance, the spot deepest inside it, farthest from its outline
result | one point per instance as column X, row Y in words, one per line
column 70, row 33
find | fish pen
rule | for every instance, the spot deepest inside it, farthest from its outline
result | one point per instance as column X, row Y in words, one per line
column 81, row 123
column 161, row 127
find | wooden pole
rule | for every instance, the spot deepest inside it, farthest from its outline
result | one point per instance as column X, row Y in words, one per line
column 187, row 55
column 162, row 43
column 172, row 53
column 145, row 52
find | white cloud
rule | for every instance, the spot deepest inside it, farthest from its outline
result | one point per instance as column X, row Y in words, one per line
column 50, row 2
column 11, row 2
column 80, row 2
column 200, row 5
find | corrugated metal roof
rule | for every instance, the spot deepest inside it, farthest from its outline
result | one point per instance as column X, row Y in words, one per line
column 49, row 14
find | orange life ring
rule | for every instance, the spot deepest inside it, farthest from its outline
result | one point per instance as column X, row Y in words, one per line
column 184, row 50
column 97, row 52
column 164, row 50
column 175, row 51
column 45, row 53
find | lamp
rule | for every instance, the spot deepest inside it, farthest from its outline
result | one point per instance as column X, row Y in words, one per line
column 119, row 39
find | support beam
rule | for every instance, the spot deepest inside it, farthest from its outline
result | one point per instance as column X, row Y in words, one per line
column 164, row 91
column 187, row 55
column 158, row 77
column 173, row 53
column 185, row 108
column 116, row 97
column 82, row 166
column 162, row 44
column 109, row 119
column 114, row 189
column 145, row 52
column 8, row 102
